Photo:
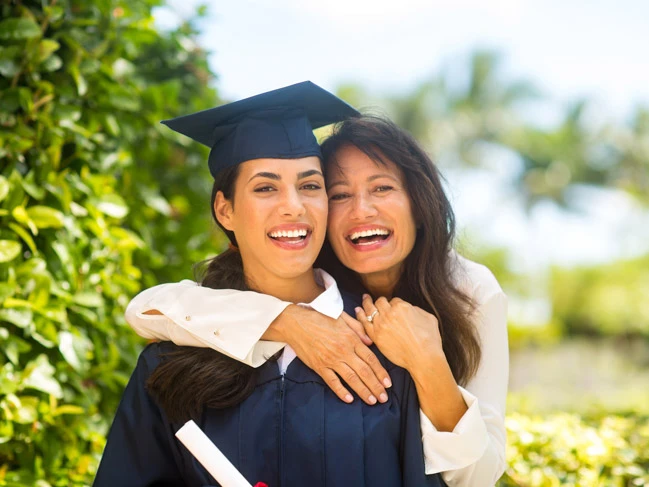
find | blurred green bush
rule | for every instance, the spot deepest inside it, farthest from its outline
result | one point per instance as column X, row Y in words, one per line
column 568, row 450
column 605, row 300
column 93, row 193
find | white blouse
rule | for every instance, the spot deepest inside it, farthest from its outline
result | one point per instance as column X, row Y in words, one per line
column 232, row 322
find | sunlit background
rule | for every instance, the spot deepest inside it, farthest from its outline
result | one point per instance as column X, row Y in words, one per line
column 536, row 111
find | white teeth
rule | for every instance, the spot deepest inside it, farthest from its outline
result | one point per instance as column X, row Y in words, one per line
column 369, row 233
column 288, row 233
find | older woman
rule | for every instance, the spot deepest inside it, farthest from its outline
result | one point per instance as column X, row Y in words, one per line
column 439, row 316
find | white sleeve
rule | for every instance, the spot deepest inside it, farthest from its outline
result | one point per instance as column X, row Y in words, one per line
column 473, row 454
column 226, row 320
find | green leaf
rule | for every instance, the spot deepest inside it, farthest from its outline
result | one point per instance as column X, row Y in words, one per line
column 46, row 47
column 8, row 380
column 6, row 290
column 27, row 238
column 10, row 61
column 4, row 187
column 51, row 64
column 68, row 409
column 62, row 251
column 14, row 347
column 9, row 250
column 88, row 299
column 155, row 200
column 21, row 216
column 27, row 411
column 79, row 80
column 21, row 317
column 26, row 99
column 75, row 349
column 113, row 205
column 18, row 29
column 32, row 188
column 39, row 375
column 45, row 217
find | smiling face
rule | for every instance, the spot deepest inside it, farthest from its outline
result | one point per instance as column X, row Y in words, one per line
column 371, row 226
column 278, row 215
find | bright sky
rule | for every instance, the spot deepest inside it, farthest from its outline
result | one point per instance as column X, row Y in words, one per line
column 569, row 49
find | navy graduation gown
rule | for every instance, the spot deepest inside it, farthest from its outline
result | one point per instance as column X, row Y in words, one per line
column 293, row 431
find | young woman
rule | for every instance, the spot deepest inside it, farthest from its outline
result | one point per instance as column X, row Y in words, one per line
column 277, row 423
column 439, row 315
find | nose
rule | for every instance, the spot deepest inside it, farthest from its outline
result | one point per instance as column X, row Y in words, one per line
column 292, row 204
column 362, row 208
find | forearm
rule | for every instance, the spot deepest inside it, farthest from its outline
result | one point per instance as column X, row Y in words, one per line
column 439, row 397
column 280, row 328
column 231, row 322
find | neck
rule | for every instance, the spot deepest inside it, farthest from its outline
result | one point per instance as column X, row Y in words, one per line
column 300, row 289
column 381, row 283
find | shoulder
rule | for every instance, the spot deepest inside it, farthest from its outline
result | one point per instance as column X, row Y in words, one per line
column 153, row 354
column 476, row 280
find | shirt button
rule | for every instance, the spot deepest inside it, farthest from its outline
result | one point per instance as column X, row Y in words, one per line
column 188, row 318
column 217, row 332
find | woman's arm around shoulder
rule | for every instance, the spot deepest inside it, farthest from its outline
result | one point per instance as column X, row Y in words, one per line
column 229, row 321
column 251, row 327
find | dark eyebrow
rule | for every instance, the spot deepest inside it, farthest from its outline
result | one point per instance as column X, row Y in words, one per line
column 269, row 175
column 306, row 174
column 277, row 177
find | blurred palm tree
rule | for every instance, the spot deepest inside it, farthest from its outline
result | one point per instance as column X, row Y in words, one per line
column 463, row 115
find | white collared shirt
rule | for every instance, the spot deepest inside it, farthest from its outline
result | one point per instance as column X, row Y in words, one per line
column 232, row 322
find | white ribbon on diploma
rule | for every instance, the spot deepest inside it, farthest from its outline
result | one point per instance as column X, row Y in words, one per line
column 210, row 456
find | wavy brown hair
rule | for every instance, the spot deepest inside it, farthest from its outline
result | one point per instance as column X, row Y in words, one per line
column 188, row 378
column 427, row 277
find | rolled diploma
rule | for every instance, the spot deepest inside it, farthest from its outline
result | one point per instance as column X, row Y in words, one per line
column 210, row 456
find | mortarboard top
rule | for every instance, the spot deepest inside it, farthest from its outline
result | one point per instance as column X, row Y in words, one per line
column 277, row 124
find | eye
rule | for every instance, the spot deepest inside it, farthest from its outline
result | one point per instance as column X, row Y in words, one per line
column 264, row 189
column 384, row 188
column 338, row 196
column 312, row 186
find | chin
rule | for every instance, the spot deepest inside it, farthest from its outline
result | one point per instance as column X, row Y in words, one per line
column 366, row 267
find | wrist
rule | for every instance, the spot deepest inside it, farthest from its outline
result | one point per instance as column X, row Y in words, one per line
column 280, row 328
column 426, row 359
column 427, row 371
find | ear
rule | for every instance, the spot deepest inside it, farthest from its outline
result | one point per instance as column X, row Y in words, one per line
column 223, row 210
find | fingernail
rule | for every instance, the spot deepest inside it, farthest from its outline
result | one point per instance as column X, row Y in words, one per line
column 383, row 397
column 366, row 296
column 372, row 400
column 349, row 398
column 358, row 309
column 387, row 382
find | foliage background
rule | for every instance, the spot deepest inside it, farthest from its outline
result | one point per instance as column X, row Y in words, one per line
column 97, row 201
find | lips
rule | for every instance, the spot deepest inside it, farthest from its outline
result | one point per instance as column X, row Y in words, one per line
column 293, row 236
column 368, row 237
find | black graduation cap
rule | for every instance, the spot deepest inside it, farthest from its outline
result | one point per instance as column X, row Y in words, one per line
column 277, row 124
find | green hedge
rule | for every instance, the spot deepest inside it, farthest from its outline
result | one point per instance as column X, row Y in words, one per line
column 83, row 223
column 606, row 300
column 566, row 449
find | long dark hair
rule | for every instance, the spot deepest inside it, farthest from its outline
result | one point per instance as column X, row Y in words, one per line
column 188, row 378
column 427, row 277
